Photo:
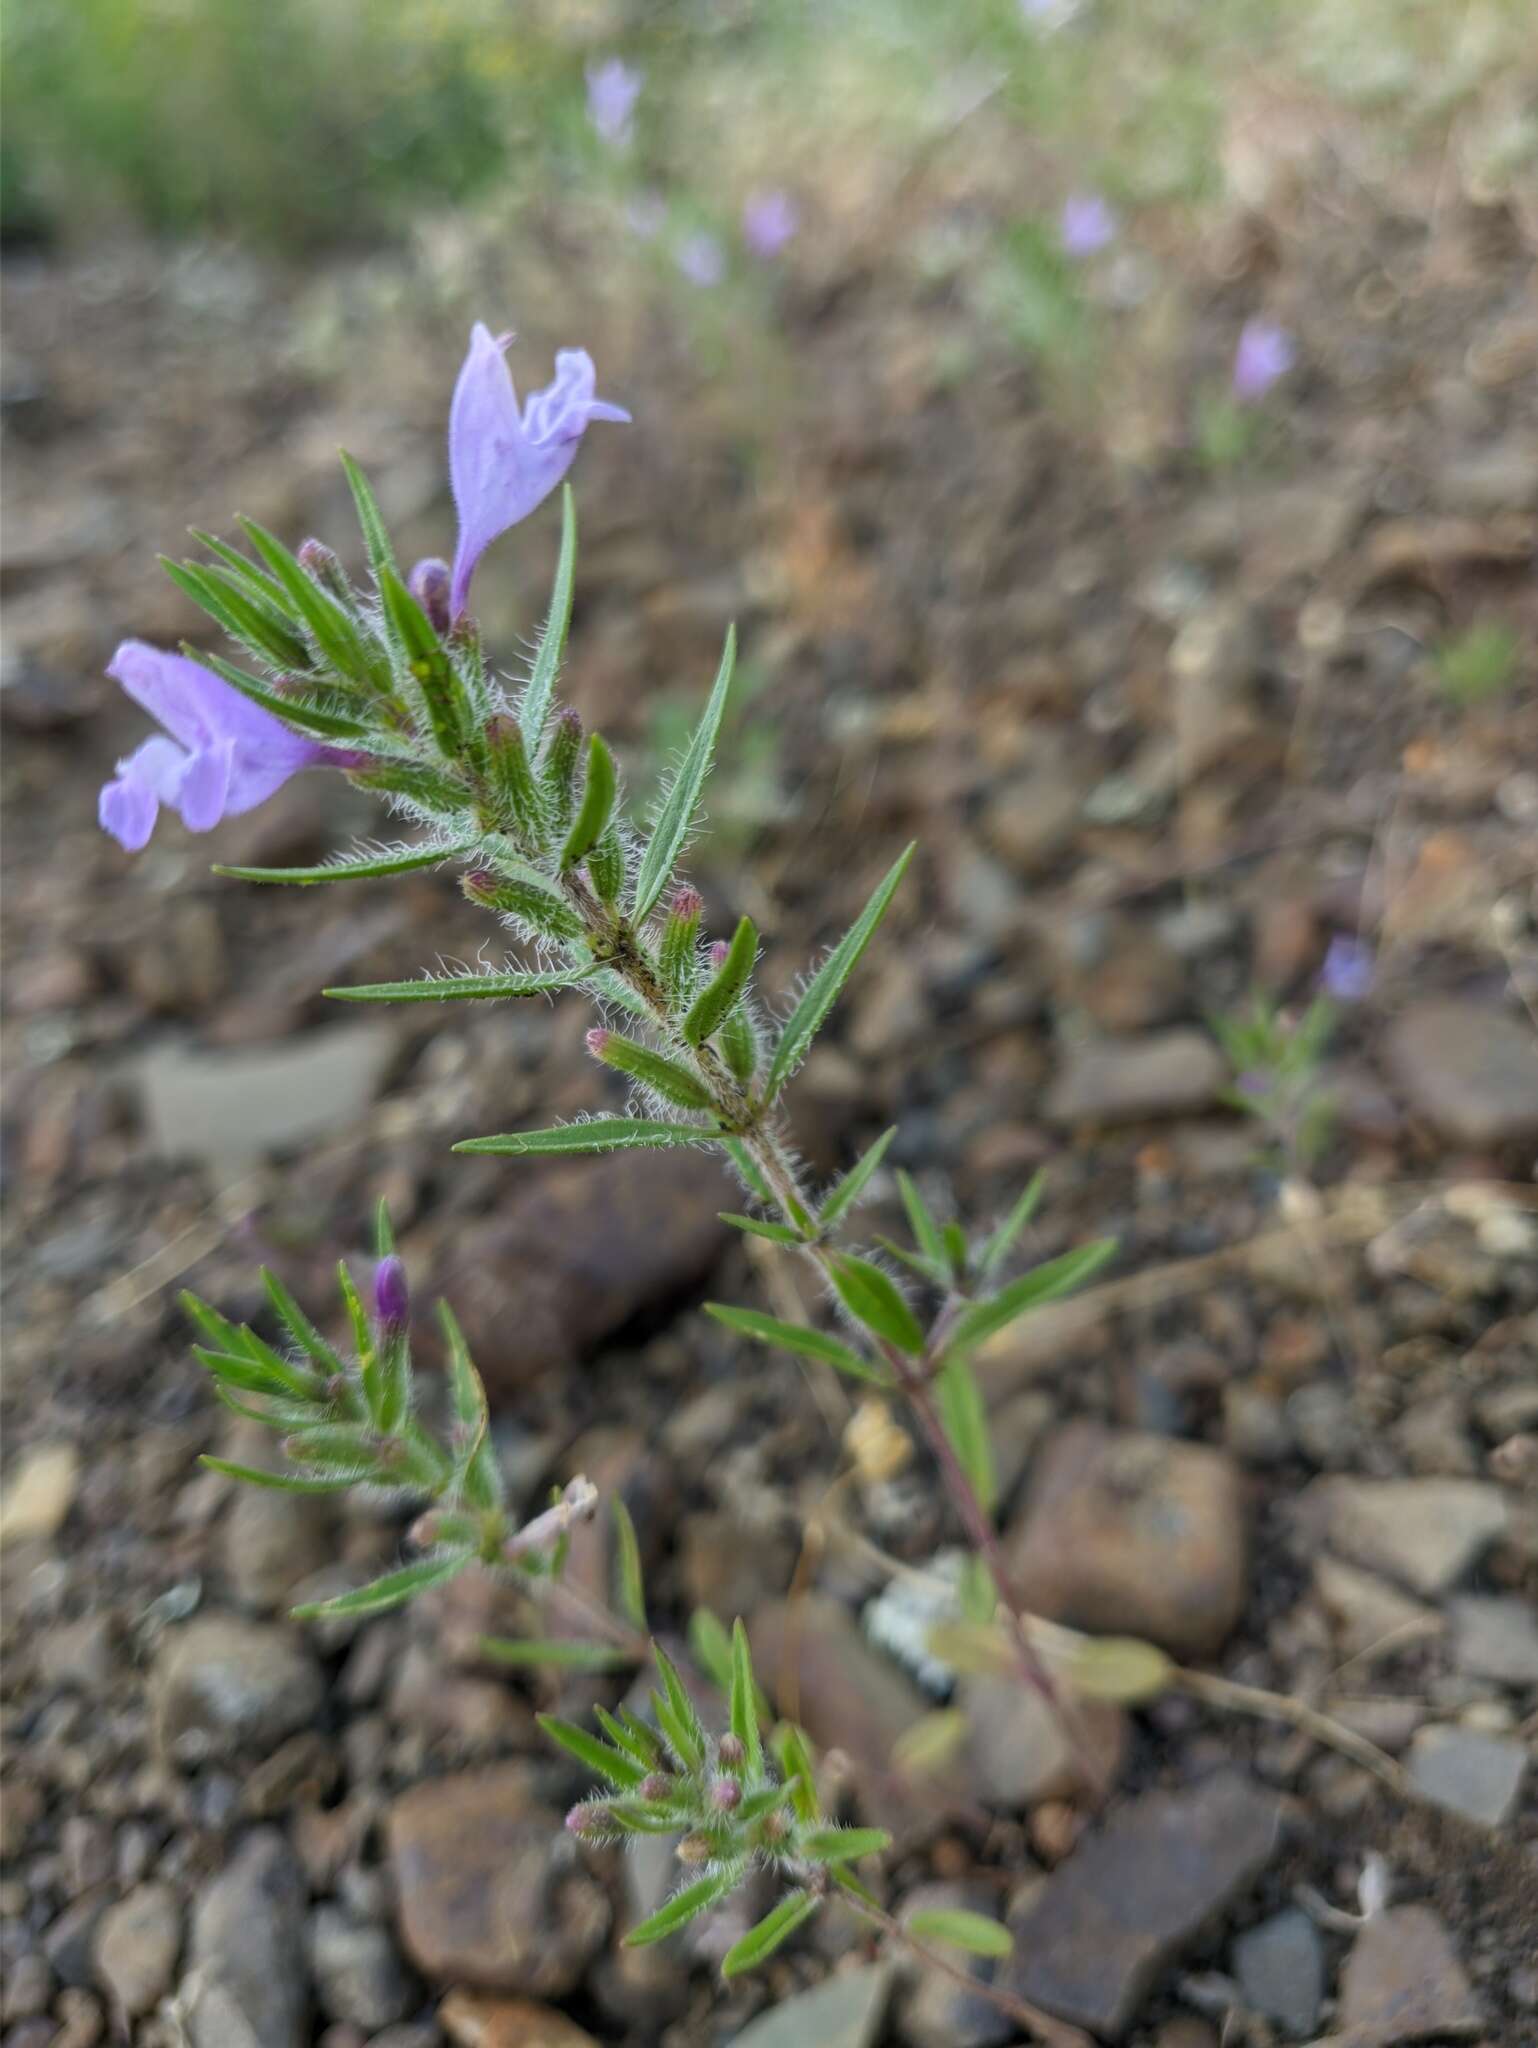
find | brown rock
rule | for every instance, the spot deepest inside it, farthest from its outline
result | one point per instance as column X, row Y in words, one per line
column 1131, row 1534
column 1402, row 1981
column 1091, row 1942
column 1119, row 1080
column 136, row 1946
column 472, row 2021
column 487, row 1893
column 582, row 1247
column 1017, row 1750
column 1469, row 1070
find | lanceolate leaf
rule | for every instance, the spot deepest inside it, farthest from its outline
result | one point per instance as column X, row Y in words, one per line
column 761, row 1941
column 849, row 1190
column 1043, row 1283
column 872, row 1298
column 597, row 802
column 357, row 868
column 631, row 1587
column 597, row 1134
column 553, row 1653
column 974, row 1932
column 276, row 1482
column 535, row 706
column 806, row 1343
column 966, row 1424
column 1025, row 1208
column 926, row 1232
column 246, row 618
column 684, row 1906
column 390, row 1591
column 676, row 815
column 680, row 1723
column 458, row 988
column 376, row 539
column 714, row 1003
column 844, row 1845
column 752, row 1226
column 616, row 1765
column 326, row 725
column 821, row 991
column 744, row 1700
column 336, row 635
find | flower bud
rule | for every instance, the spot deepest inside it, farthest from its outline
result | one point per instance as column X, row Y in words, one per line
column 695, row 1849
column 321, row 565
column 558, row 770
column 429, row 585
column 392, row 1297
column 597, row 1041
column 731, row 1752
column 426, row 1530
column 680, row 929
column 725, row 1794
column 775, row 1826
column 656, row 1785
column 589, row 1822
column 718, row 952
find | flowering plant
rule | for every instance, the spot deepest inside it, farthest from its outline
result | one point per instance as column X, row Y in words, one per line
column 390, row 686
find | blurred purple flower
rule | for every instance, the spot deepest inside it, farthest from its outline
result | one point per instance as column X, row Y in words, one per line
column 702, row 259
column 613, row 87
column 392, row 1296
column 1265, row 352
column 224, row 754
column 1088, row 224
column 1348, row 969
column 503, row 462
column 770, row 219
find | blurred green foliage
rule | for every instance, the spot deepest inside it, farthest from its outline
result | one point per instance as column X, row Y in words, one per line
column 1478, row 663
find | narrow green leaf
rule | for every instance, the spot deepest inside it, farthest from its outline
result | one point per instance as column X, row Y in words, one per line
column 676, row 816
column 598, row 792
column 711, row 1647
column 966, row 1424
column 552, row 1652
column 844, row 1845
column 691, row 1749
column 312, row 718
column 997, row 1247
column 362, row 1340
column 1042, row 1283
column 275, row 1482
column 665, row 1077
column 221, row 1333
column 744, row 1700
column 597, row 1134
column 645, row 1752
column 974, row 1932
column 926, row 1232
column 457, row 988
column 807, row 1343
column 821, row 991
column 535, row 705
column 872, row 1298
column 684, row 1906
column 390, row 1591
column 777, row 1926
column 238, row 1369
column 376, row 539
column 230, row 605
column 795, row 1754
column 441, row 690
column 720, row 995
column 744, row 1162
column 630, row 1586
column 614, row 1764
column 257, row 581
column 335, row 633
column 843, row 1196
column 752, row 1226
column 384, row 1230
column 480, row 1473
column 364, row 868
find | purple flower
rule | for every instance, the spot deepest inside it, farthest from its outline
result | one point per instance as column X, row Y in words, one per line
column 769, row 220
column 1348, row 969
column 613, row 87
column 224, row 754
column 392, row 1297
column 503, row 462
column 1265, row 352
column 1088, row 224
column 701, row 259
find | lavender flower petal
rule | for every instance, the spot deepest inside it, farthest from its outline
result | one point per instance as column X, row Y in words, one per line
column 702, row 260
column 613, row 87
column 770, row 220
column 1347, row 973
column 1264, row 354
column 1088, row 224
column 503, row 462
column 220, row 754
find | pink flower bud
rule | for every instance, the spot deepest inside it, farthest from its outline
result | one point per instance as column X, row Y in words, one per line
column 655, row 1785
column 687, row 901
column 718, row 952
column 587, row 1822
column 731, row 1752
column 725, row 1794
column 429, row 585
column 597, row 1042
column 392, row 1297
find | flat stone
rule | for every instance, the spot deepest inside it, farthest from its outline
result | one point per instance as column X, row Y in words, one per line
column 1495, row 1636
column 1134, row 1893
column 812, row 1659
column 227, row 1109
column 845, row 2011
column 472, row 2020
column 1280, row 1968
column 222, row 1686
column 1369, row 1616
column 358, row 1975
column 1471, row 1071
column 1126, row 1533
column 1120, row 1080
column 1403, row 1982
column 1476, row 1775
column 488, row 1892
column 137, row 1943
column 248, row 1982
column 38, row 1492
column 271, row 1542
column 1017, row 1752
column 583, row 1247
column 1424, row 1532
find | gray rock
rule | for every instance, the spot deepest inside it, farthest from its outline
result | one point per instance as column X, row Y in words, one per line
column 222, row 1686
column 1471, row 1071
column 1495, row 1636
column 843, row 2012
column 1402, row 1982
column 1111, row 1918
column 68, row 1940
column 1280, row 1967
column 136, row 1947
column 1424, row 1532
column 226, row 1109
column 28, row 1988
column 271, row 1542
column 933, row 2010
column 1119, row 1080
column 358, row 1975
column 248, row 1983
column 1468, row 1772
